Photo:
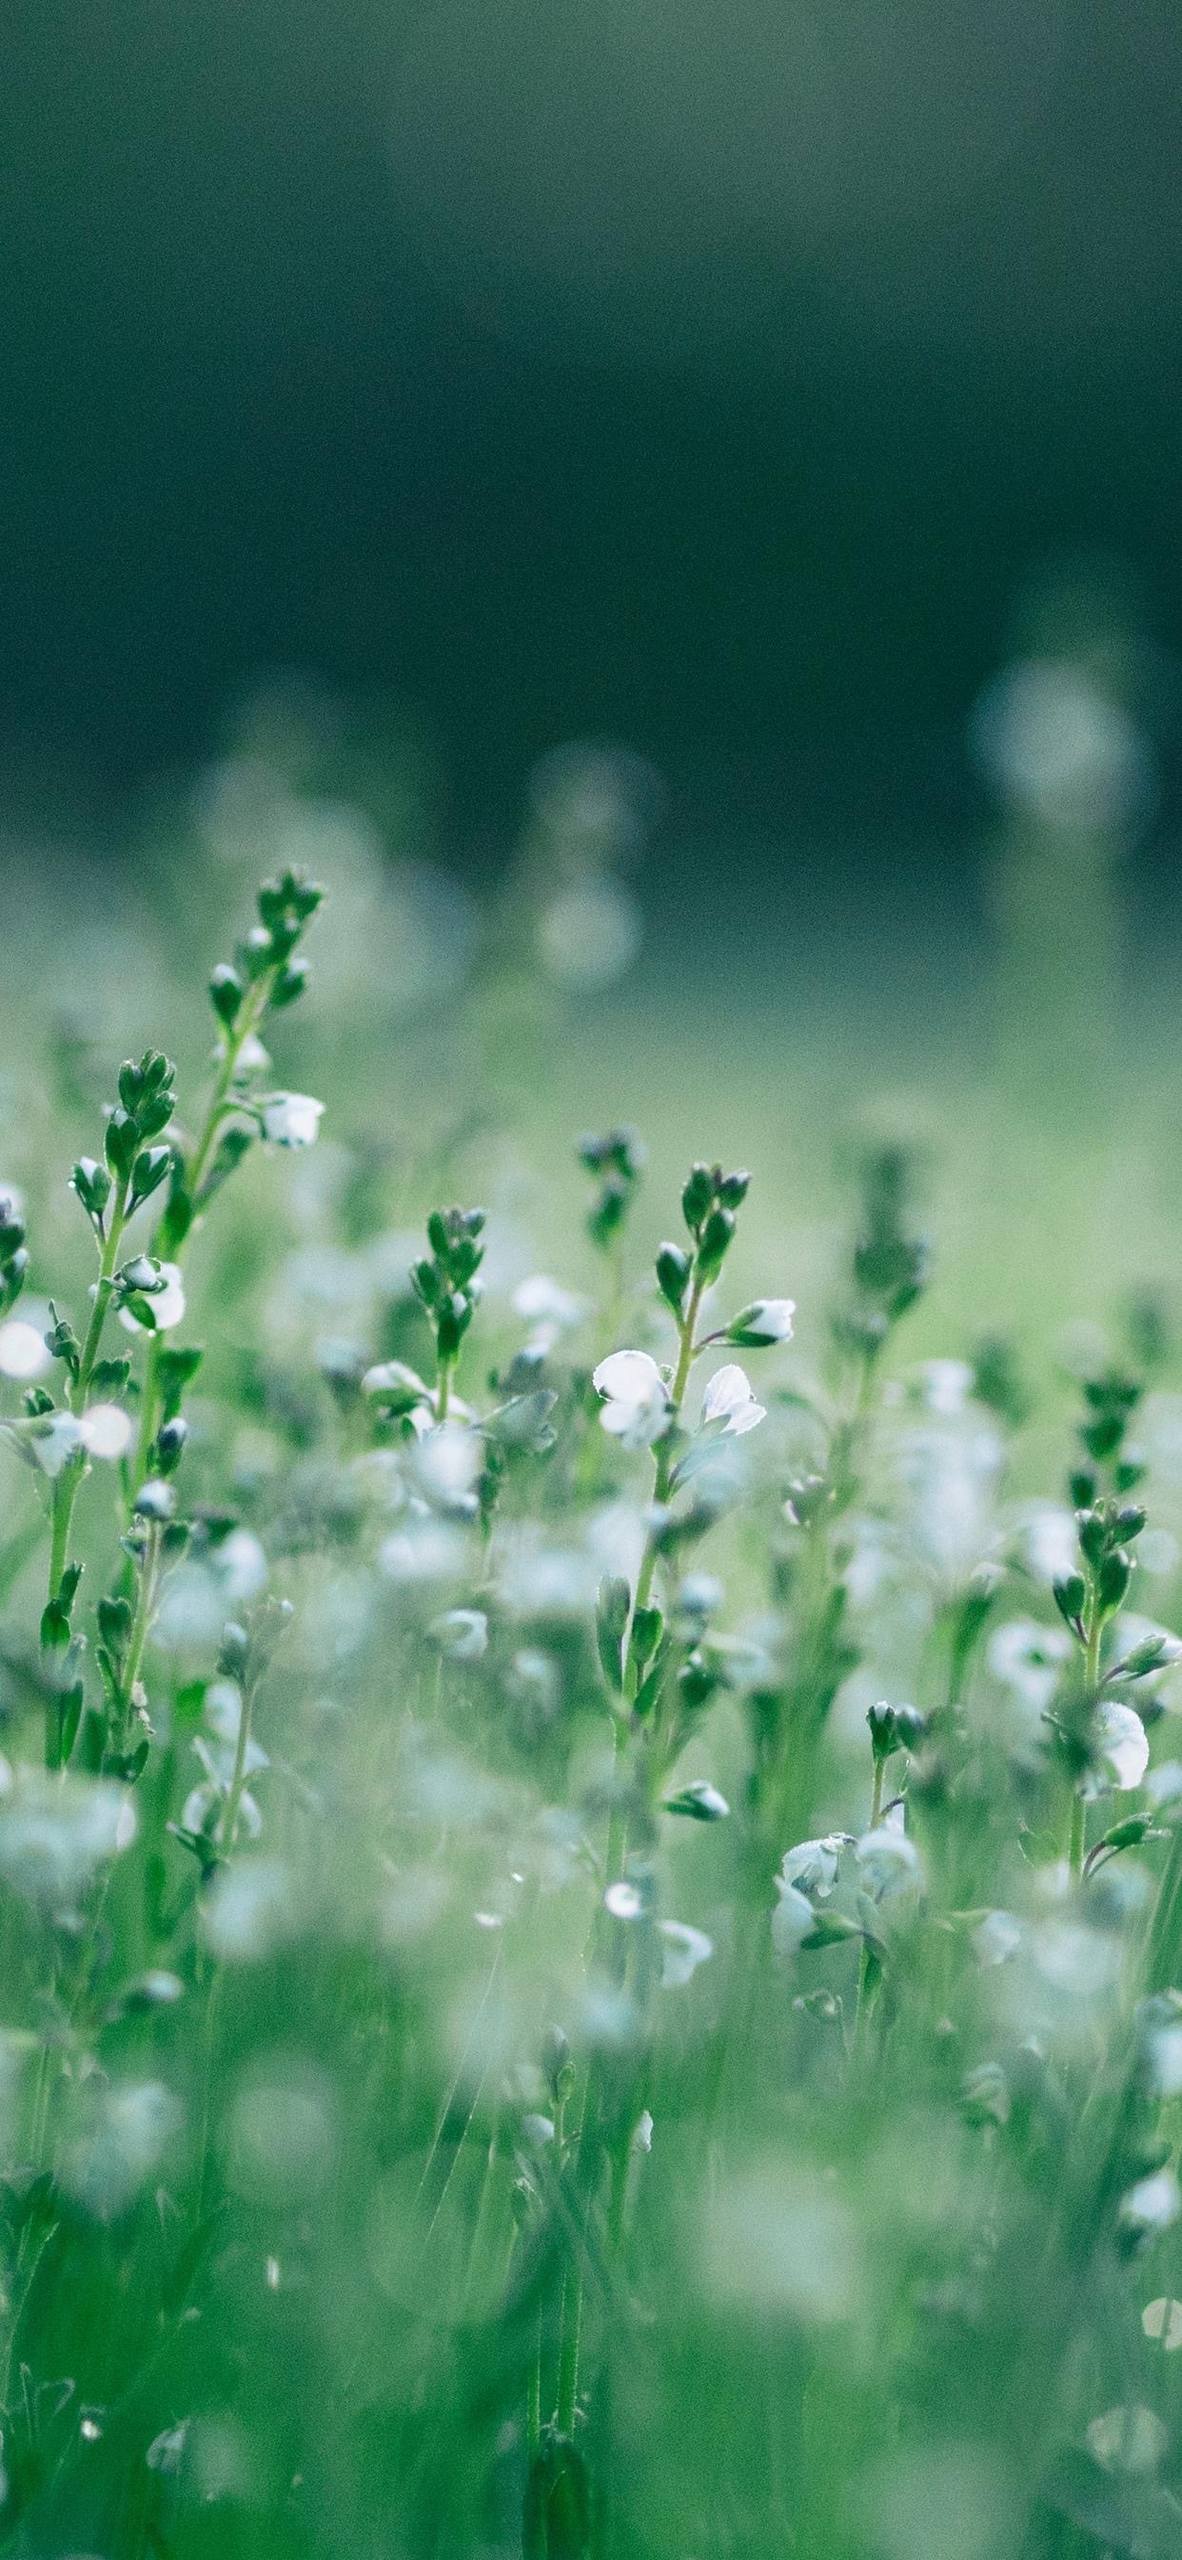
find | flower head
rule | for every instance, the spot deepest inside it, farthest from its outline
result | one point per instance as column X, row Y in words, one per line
column 728, row 1400
column 164, row 1304
column 636, row 1406
column 766, row 1320
column 291, row 1119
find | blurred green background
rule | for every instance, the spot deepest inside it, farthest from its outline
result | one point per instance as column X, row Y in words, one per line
column 677, row 509
column 711, row 382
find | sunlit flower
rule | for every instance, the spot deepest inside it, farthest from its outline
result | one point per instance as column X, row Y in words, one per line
column 728, row 1399
column 636, row 1405
column 291, row 1119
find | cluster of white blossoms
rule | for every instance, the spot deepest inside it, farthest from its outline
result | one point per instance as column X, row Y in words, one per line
column 637, row 1406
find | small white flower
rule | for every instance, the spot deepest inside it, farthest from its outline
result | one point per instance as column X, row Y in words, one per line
column 1123, row 1746
column 728, row 1399
column 766, row 1320
column 792, row 1919
column 1128, row 2438
column 1163, row 2319
column 1028, row 1659
column 167, row 1304
column 24, row 1352
column 946, row 1385
column 1152, row 2205
column 888, row 1862
column 462, row 1634
column 54, row 1439
column 636, row 1404
column 685, row 1949
column 106, row 1431
column 446, row 1463
column 812, row 1865
column 997, row 1937
column 291, row 1119
column 545, row 1304
column 623, row 1901
column 398, row 1387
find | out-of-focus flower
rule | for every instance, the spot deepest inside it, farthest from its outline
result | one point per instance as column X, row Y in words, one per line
column 24, row 1352
column 291, row 1119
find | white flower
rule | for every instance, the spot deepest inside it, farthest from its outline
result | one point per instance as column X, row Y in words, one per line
column 997, row 1937
column 167, row 1304
column 1129, row 2438
column 946, row 1385
column 765, row 1320
column 812, row 1865
column 1123, row 1746
column 623, row 1900
column 446, row 1463
column 549, row 1308
column 792, row 1919
column 291, row 1119
column 399, row 1388
column 1152, row 2205
column 106, row 1431
column 54, row 1439
column 685, row 1950
column 728, row 1399
column 462, row 1634
column 636, row 1404
column 1163, row 2319
column 888, row 1862
column 1028, row 1659
column 24, row 1352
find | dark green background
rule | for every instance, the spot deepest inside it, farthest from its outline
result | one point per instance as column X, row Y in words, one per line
column 712, row 380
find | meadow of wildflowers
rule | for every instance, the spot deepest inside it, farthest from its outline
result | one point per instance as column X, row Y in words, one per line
column 590, row 1857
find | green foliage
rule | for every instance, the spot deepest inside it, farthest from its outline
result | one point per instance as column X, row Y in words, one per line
column 516, row 2039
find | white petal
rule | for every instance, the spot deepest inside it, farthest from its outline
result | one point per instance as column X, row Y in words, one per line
column 685, row 1949
column 792, row 1919
column 637, row 1426
column 1124, row 1743
column 747, row 1418
column 628, row 1377
column 728, row 1391
column 291, row 1119
column 54, row 1442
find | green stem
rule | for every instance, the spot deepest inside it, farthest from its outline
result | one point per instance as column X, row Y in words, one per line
column 145, row 1605
column 1077, row 1836
column 65, row 1491
column 253, row 1008
column 228, row 1825
column 664, row 1461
